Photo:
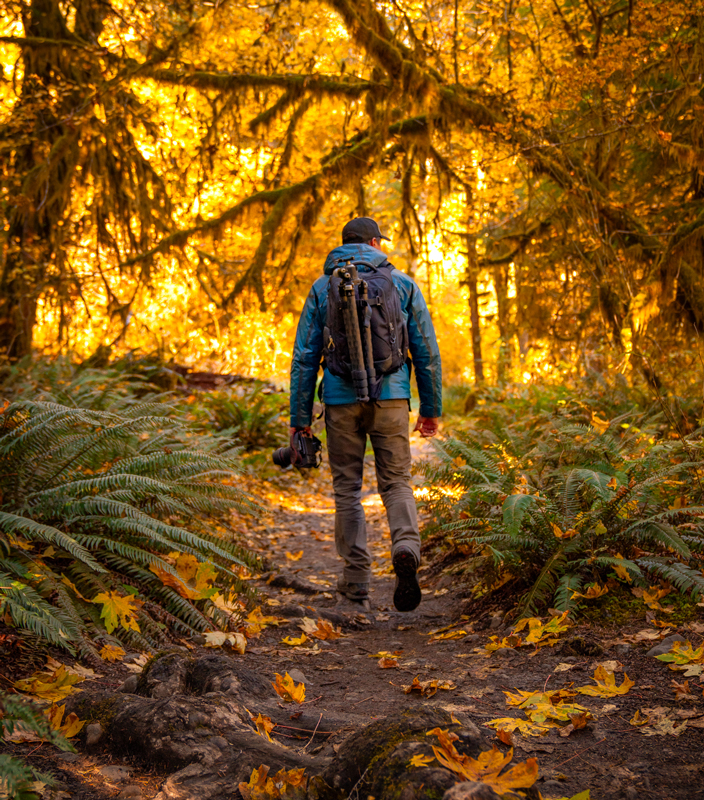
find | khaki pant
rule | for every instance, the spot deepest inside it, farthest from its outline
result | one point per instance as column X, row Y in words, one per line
column 386, row 424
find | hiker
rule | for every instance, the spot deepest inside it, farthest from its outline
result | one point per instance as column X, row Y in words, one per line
column 383, row 417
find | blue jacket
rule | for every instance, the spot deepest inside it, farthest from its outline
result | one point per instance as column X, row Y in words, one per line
column 308, row 349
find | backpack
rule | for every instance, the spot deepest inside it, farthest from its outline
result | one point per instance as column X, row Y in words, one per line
column 381, row 312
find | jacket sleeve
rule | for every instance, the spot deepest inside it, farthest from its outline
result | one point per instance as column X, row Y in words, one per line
column 425, row 354
column 307, row 352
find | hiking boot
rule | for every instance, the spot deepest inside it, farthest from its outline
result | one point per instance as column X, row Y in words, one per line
column 353, row 591
column 407, row 594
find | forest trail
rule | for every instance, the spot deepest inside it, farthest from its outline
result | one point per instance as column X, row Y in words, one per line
column 346, row 688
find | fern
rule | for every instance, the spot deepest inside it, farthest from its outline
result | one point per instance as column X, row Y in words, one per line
column 96, row 497
column 552, row 500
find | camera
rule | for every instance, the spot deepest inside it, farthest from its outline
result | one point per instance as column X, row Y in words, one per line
column 303, row 453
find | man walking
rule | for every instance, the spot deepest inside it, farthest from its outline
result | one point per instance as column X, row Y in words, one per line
column 385, row 420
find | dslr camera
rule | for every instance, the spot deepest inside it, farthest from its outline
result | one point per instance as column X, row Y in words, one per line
column 303, row 453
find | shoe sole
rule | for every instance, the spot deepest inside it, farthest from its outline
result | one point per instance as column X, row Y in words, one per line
column 407, row 594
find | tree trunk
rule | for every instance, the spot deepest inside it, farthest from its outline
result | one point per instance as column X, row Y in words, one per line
column 503, row 363
column 476, row 334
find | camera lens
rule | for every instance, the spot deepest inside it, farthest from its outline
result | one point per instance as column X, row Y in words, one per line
column 282, row 457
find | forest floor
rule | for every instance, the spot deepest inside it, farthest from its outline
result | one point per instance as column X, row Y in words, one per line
column 345, row 687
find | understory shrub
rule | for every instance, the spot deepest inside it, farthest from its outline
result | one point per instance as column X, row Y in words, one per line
column 112, row 524
column 561, row 499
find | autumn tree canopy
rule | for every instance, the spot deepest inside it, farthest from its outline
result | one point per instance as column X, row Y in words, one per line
column 187, row 165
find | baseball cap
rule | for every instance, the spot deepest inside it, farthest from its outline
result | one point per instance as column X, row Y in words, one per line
column 363, row 227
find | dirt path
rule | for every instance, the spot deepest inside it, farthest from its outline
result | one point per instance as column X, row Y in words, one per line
column 609, row 756
column 346, row 689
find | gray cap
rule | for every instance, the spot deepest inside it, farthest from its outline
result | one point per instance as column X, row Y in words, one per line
column 363, row 227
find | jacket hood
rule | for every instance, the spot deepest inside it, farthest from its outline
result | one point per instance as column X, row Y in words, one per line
column 358, row 252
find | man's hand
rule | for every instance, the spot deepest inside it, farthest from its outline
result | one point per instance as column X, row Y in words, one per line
column 306, row 431
column 426, row 426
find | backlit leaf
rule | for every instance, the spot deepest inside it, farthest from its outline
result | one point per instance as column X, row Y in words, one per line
column 288, row 689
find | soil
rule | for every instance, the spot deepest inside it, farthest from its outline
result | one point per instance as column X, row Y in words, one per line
column 347, row 690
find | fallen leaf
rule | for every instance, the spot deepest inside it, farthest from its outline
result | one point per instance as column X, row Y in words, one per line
column 523, row 726
column 386, row 654
column 683, row 653
column 504, row 737
column 257, row 620
column 592, row 592
column 69, row 727
column 639, row 719
column 606, row 684
column 288, row 689
column 219, row 639
column 118, row 610
column 563, row 667
column 420, row 760
column 487, row 768
column 682, row 691
column 449, row 635
column 295, row 556
column 320, row 629
column 388, row 663
column 427, row 688
column 51, row 686
column 193, row 579
column 111, row 652
column 294, row 642
column 263, row 724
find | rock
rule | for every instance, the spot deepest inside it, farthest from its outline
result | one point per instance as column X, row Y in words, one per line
column 496, row 620
column 507, row 652
column 552, row 788
column 470, row 790
column 665, row 645
column 94, row 734
column 115, row 773
column 70, row 757
column 623, row 649
column 297, row 675
column 130, row 792
column 632, row 793
column 291, row 610
column 130, row 685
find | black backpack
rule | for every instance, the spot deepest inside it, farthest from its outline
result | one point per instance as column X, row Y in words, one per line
column 381, row 311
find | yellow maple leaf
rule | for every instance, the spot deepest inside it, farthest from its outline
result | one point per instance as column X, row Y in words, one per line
column 606, row 684
column 294, row 642
column 592, row 592
column 622, row 572
column 601, row 425
column 450, row 635
column 295, row 556
column 385, row 654
column 257, row 620
column 319, row 629
column 487, row 767
column 69, row 727
column 263, row 724
column 523, row 726
column 52, row 686
column 420, row 760
column 112, row 652
column 118, row 610
column 639, row 719
column 288, row 689
column 194, row 580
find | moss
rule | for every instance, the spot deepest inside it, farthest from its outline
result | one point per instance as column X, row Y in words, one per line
column 619, row 607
